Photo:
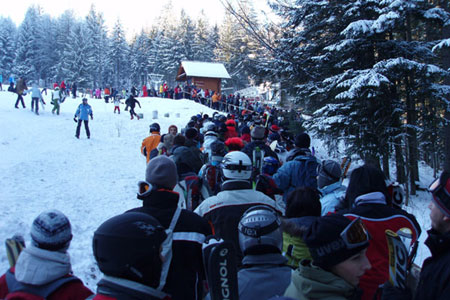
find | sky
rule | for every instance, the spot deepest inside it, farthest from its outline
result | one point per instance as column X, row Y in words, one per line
column 133, row 14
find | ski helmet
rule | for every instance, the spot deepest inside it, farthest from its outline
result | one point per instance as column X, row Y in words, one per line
column 270, row 165
column 236, row 165
column 155, row 127
column 259, row 231
column 128, row 246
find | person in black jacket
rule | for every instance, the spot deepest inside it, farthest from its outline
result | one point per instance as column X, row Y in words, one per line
column 258, row 135
column 182, row 276
column 131, row 102
column 434, row 281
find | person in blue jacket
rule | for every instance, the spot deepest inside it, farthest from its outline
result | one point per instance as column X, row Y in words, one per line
column 82, row 114
column 330, row 186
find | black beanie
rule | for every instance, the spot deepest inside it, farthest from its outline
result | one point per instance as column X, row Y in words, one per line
column 325, row 243
column 191, row 133
column 302, row 140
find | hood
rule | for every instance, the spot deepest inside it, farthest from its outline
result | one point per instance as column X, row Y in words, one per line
column 370, row 198
column 37, row 266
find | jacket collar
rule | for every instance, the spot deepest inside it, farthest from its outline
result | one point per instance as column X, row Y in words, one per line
column 264, row 259
column 230, row 185
column 370, row 198
column 160, row 198
column 438, row 243
column 127, row 289
column 330, row 188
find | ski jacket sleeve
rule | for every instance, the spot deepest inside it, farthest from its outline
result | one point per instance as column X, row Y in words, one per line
column 283, row 176
column 77, row 113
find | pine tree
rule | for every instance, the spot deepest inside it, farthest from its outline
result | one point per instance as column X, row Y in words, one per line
column 7, row 46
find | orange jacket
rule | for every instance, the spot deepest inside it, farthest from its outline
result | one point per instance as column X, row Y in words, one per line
column 150, row 143
column 215, row 97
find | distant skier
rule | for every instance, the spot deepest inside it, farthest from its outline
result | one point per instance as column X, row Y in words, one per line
column 56, row 97
column 117, row 105
column 35, row 98
column 131, row 102
column 83, row 112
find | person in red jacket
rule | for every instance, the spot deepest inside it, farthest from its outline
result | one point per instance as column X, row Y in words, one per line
column 367, row 198
column 43, row 268
column 231, row 129
column 127, row 249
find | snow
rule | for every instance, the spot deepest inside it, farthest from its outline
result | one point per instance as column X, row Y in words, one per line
column 45, row 167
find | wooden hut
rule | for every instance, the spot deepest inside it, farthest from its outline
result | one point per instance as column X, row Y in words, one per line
column 203, row 75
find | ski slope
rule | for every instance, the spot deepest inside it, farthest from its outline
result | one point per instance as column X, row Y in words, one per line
column 43, row 166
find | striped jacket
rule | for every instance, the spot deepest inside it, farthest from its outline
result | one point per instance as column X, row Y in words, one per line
column 186, row 272
column 225, row 209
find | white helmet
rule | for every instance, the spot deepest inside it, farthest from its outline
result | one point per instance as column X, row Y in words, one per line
column 236, row 165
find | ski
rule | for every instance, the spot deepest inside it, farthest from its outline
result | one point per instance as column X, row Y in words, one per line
column 345, row 165
column 219, row 259
column 401, row 257
column 14, row 246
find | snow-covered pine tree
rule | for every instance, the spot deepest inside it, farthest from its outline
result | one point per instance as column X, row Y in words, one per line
column 97, row 46
column 27, row 60
column 118, row 56
column 78, row 69
column 8, row 32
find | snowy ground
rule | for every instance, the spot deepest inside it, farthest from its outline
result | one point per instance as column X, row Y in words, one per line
column 44, row 166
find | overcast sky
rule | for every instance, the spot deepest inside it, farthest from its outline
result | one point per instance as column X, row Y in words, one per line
column 134, row 14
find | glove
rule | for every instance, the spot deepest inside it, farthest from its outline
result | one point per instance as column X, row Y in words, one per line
column 75, row 120
column 92, row 117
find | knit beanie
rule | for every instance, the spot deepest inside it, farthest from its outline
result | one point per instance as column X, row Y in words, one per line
column 51, row 230
column 329, row 173
column 161, row 172
column 325, row 243
column 258, row 132
column 191, row 133
column 302, row 140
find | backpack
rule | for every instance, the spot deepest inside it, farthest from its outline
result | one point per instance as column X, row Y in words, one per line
column 22, row 291
column 258, row 160
column 193, row 191
column 211, row 178
column 307, row 172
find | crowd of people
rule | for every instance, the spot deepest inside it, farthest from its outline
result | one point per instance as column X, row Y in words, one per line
column 298, row 232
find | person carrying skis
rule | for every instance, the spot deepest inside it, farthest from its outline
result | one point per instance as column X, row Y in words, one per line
column 127, row 249
column 131, row 102
column 434, row 280
column 43, row 269
column 225, row 209
column 56, row 98
column 83, row 112
column 265, row 272
column 338, row 248
column 182, row 271
column 367, row 198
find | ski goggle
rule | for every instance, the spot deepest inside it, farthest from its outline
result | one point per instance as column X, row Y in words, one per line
column 355, row 234
column 440, row 191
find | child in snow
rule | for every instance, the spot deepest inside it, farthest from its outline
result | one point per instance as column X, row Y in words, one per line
column 116, row 104
column 56, row 97
column 35, row 98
